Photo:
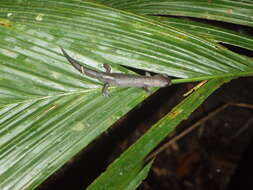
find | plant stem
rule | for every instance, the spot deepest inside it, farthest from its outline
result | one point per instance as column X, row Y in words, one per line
column 208, row 77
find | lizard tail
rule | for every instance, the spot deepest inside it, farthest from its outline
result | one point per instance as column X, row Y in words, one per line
column 73, row 62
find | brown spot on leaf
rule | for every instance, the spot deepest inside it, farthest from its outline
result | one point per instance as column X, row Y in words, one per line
column 174, row 113
column 181, row 36
column 5, row 22
column 230, row 11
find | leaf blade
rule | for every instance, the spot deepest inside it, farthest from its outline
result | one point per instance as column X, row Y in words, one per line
column 34, row 145
column 213, row 33
column 238, row 12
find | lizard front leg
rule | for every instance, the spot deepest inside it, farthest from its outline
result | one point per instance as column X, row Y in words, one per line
column 106, row 85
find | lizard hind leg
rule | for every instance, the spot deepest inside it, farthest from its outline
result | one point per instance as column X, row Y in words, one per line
column 107, row 67
column 146, row 89
column 105, row 91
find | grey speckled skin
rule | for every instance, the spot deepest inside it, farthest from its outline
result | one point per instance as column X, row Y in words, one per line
column 119, row 79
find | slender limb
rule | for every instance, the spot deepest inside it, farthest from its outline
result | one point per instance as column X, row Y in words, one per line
column 105, row 90
column 107, row 67
column 146, row 89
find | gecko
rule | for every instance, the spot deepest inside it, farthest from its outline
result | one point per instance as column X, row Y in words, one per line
column 119, row 79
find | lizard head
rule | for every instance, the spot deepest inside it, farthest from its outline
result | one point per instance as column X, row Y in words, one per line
column 162, row 80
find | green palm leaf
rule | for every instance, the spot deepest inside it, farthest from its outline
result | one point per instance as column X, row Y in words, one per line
column 238, row 12
column 49, row 112
column 213, row 33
